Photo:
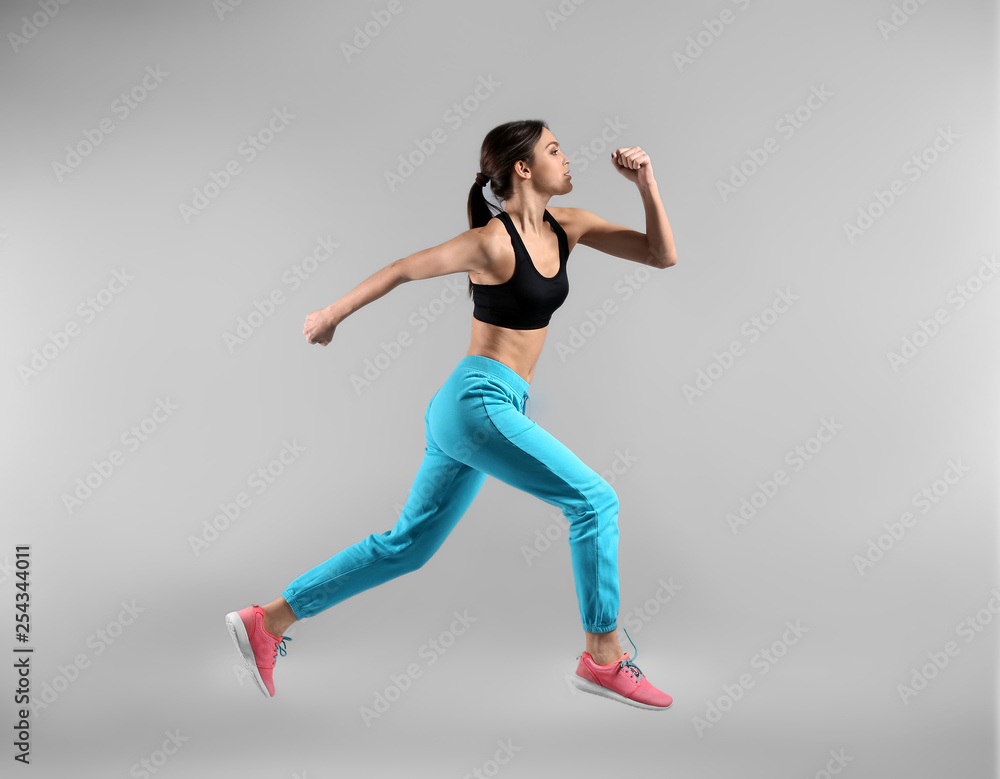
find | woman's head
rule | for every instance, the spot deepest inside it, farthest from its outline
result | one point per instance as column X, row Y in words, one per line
column 515, row 156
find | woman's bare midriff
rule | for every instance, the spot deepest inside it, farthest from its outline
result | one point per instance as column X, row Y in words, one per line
column 517, row 349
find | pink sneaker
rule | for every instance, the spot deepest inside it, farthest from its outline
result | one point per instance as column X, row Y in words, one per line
column 258, row 648
column 620, row 681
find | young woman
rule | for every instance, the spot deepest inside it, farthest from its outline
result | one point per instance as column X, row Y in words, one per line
column 475, row 423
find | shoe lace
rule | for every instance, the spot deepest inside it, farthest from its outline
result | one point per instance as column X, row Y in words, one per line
column 279, row 646
column 629, row 664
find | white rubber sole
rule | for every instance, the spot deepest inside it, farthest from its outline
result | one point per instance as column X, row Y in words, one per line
column 593, row 687
column 239, row 633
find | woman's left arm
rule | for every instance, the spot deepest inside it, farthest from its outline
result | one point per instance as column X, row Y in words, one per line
column 634, row 164
column 655, row 247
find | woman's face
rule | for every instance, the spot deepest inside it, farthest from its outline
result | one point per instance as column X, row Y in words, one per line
column 551, row 166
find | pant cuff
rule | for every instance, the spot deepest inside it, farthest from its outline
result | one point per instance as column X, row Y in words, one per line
column 292, row 603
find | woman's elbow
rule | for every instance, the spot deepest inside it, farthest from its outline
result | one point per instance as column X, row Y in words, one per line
column 402, row 270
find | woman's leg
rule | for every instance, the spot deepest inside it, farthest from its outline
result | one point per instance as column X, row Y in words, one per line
column 492, row 435
column 278, row 617
column 475, row 426
column 442, row 491
column 604, row 647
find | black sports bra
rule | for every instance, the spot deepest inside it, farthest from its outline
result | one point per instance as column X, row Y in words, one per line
column 527, row 299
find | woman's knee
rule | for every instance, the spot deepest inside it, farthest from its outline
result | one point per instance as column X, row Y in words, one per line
column 606, row 499
column 597, row 500
column 407, row 553
column 415, row 554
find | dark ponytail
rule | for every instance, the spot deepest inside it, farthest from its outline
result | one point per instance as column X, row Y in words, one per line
column 503, row 146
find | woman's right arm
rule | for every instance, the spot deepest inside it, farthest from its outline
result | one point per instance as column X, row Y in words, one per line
column 466, row 251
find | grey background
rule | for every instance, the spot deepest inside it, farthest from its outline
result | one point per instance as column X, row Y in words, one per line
column 174, row 667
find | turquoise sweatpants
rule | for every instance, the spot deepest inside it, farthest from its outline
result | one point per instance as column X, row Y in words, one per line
column 476, row 427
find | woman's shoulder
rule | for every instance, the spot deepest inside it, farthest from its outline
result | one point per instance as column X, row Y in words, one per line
column 495, row 239
column 566, row 217
column 570, row 220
